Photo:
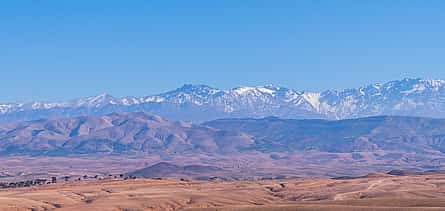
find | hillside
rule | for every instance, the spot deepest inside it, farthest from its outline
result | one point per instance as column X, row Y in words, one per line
column 146, row 133
column 390, row 133
column 168, row 170
column 115, row 134
column 245, row 148
column 123, row 133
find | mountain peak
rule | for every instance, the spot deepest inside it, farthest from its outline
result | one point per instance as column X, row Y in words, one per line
column 256, row 90
column 103, row 96
column 190, row 88
column 194, row 86
column 273, row 87
column 419, row 97
column 96, row 101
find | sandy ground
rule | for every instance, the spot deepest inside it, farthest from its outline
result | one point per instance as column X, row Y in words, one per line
column 379, row 192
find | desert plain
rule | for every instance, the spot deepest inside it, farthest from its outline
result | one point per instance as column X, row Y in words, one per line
column 372, row 192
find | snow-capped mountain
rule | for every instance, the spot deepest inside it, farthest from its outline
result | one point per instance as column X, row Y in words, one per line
column 413, row 97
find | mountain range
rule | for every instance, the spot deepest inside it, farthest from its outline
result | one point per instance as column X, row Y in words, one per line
column 116, row 133
column 199, row 103
column 246, row 147
column 140, row 132
column 380, row 133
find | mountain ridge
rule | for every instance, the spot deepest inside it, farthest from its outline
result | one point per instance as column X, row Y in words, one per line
column 371, row 143
column 148, row 133
column 116, row 133
column 199, row 103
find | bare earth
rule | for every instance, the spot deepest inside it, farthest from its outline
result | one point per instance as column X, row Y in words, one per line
column 241, row 166
column 376, row 192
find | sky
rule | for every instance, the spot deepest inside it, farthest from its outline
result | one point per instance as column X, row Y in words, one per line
column 56, row 50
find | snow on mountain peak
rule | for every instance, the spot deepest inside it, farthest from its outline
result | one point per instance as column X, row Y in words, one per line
column 201, row 89
column 4, row 108
column 42, row 105
column 99, row 99
column 403, row 97
column 246, row 90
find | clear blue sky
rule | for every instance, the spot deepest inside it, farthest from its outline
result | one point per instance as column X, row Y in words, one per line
column 62, row 49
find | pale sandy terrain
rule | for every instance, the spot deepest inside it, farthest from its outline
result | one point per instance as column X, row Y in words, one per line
column 378, row 192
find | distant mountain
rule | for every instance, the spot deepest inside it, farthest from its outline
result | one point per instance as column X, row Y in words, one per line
column 123, row 133
column 133, row 133
column 164, row 169
column 245, row 146
column 394, row 134
column 408, row 97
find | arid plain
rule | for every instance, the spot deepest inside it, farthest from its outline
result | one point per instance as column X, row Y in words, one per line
column 373, row 192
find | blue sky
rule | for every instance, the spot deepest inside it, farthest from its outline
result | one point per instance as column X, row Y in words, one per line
column 63, row 49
